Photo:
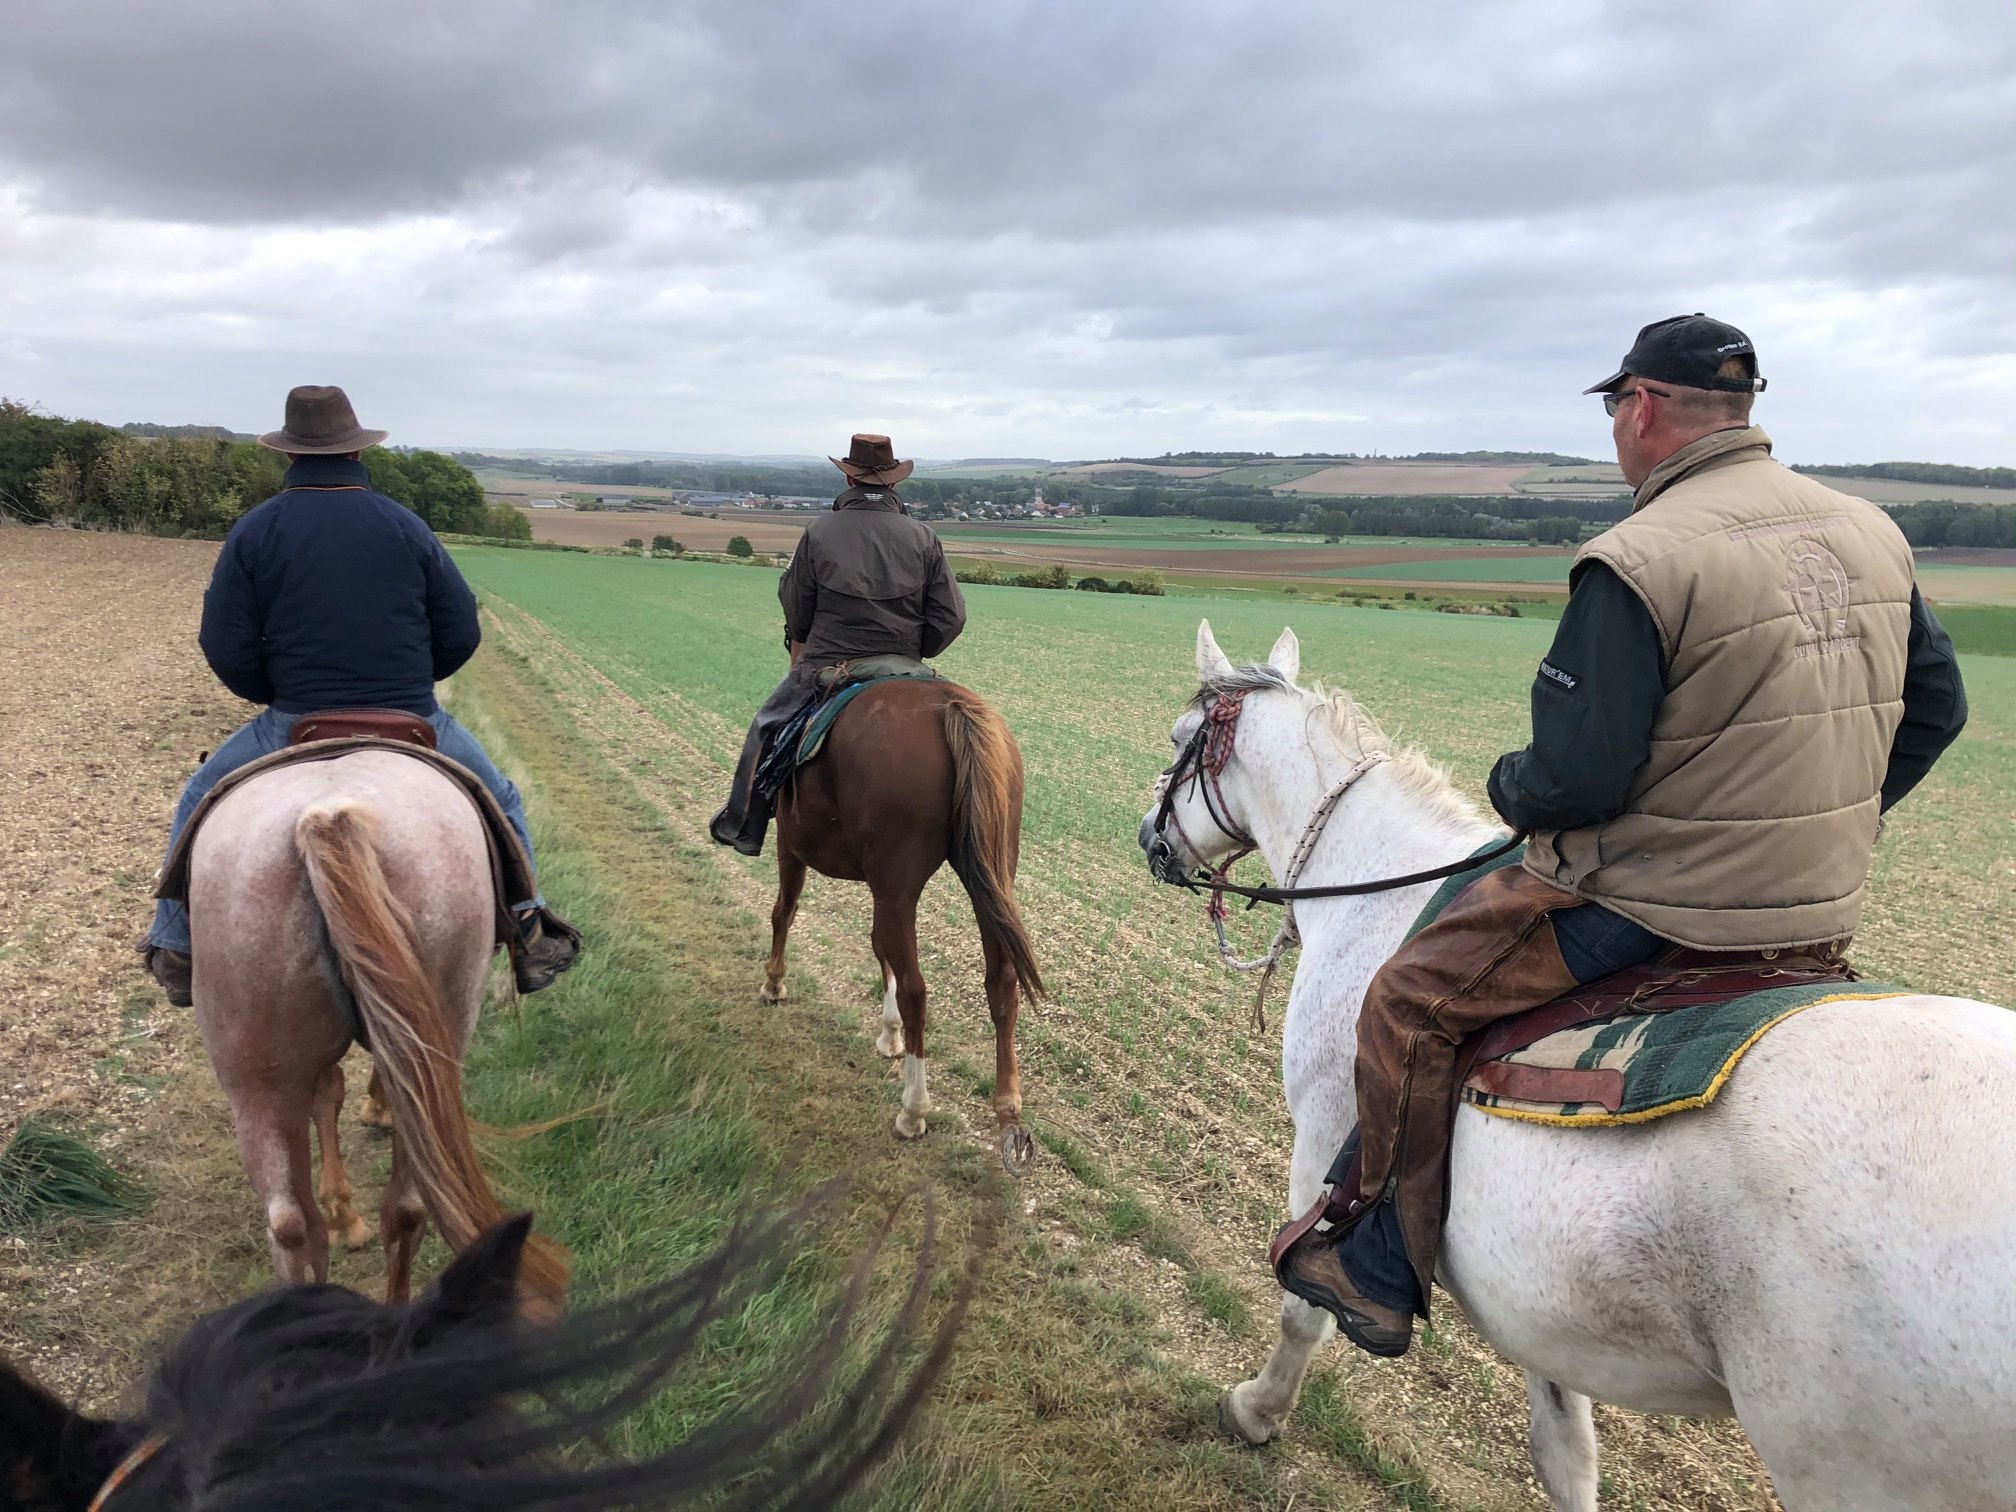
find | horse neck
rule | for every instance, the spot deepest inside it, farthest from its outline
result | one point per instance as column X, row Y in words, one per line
column 1383, row 826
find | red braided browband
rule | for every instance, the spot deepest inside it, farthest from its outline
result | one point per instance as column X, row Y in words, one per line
column 1222, row 718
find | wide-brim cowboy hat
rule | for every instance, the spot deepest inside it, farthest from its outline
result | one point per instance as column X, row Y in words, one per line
column 320, row 423
column 871, row 459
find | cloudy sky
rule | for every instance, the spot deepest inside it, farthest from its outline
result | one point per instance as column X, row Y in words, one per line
column 989, row 227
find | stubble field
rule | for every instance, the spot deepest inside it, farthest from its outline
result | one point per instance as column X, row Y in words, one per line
column 1128, row 1282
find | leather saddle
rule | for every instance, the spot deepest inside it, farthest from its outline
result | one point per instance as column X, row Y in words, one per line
column 344, row 732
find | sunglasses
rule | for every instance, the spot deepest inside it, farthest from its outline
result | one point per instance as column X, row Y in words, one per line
column 1614, row 402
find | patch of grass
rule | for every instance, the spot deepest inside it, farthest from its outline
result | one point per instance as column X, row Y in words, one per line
column 1981, row 629
column 1332, row 1418
column 48, row 1173
column 1215, row 1297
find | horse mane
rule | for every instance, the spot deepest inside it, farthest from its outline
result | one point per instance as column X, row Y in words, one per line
column 1356, row 734
column 316, row 1397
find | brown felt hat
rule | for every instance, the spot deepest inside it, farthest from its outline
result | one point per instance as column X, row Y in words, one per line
column 320, row 423
column 871, row 459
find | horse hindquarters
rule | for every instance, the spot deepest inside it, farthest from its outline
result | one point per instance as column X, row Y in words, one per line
column 417, row 1053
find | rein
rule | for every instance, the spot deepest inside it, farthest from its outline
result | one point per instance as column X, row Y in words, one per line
column 1202, row 762
column 127, row 1468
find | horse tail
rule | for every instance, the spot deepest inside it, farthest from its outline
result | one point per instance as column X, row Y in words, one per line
column 418, row 1063
column 987, row 823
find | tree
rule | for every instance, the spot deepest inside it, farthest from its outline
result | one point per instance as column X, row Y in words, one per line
column 633, row 544
column 738, row 546
column 667, row 544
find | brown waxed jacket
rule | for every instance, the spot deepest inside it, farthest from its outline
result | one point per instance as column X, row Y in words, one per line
column 868, row 580
column 1783, row 610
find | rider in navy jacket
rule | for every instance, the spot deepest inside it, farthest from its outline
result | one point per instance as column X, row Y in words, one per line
column 331, row 596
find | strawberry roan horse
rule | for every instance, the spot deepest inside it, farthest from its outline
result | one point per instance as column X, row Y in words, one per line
column 915, row 774
column 1821, row 1252
column 325, row 899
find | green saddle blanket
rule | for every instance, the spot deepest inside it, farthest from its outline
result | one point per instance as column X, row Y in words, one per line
column 866, row 674
column 1633, row 1067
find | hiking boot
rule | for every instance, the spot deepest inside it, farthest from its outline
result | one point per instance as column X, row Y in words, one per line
column 172, row 969
column 546, row 946
column 1312, row 1269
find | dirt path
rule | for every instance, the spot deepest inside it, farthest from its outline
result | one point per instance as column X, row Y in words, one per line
column 104, row 709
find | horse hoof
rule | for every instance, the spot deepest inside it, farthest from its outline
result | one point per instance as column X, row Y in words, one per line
column 778, row 993
column 889, row 1046
column 1233, row 1424
column 909, row 1126
column 1018, row 1151
column 374, row 1114
column 356, row 1235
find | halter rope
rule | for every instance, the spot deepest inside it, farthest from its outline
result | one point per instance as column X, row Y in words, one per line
column 127, row 1468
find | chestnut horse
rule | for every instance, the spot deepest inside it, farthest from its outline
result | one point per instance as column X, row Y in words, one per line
column 339, row 901
column 915, row 774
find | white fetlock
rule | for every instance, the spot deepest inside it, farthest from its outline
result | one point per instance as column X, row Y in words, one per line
column 889, row 1043
column 909, row 1127
column 1237, row 1419
column 774, row 992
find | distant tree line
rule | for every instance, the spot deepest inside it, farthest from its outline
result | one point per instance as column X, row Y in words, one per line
column 1935, row 525
column 78, row 472
column 1480, row 458
column 1920, row 472
column 1517, row 517
column 1146, row 581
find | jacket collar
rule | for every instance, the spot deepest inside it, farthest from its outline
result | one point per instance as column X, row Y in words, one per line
column 326, row 472
column 1743, row 443
column 869, row 497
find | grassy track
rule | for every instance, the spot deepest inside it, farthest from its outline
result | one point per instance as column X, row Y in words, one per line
column 622, row 686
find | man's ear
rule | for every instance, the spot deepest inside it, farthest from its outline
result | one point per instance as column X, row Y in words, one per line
column 480, row 1290
column 51, row 1459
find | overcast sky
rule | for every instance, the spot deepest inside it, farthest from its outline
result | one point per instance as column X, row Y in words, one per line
column 1065, row 230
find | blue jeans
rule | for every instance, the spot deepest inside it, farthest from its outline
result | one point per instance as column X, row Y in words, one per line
column 266, row 734
column 1594, row 943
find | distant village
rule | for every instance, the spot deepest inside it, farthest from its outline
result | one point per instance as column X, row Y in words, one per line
column 1038, row 508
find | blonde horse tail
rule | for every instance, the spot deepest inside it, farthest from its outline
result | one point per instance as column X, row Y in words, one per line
column 419, row 1065
column 987, row 825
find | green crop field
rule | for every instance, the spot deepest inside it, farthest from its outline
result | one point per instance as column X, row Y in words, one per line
column 1507, row 567
column 1128, row 1281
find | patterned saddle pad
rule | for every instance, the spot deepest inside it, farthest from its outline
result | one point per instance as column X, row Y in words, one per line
column 1658, row 1039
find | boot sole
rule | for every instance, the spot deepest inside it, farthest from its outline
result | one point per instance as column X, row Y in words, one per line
column 1360, row 1330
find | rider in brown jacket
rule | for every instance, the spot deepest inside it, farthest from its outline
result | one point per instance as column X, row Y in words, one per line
column 866, row 580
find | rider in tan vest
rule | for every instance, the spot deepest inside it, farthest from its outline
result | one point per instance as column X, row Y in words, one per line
column 1745, row 677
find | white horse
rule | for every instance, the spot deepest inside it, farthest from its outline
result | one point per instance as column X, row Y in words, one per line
column 1824, row 1252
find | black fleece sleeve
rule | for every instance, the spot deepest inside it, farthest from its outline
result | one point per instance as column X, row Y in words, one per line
column 1935, row 704
column 1594, row 700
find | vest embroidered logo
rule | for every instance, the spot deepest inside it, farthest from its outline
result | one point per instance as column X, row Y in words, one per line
column 1818, row 585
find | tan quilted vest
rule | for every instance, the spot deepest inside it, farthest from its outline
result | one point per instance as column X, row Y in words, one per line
column 1784, row 610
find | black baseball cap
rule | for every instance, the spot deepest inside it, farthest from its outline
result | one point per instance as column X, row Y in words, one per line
column 1687, row 350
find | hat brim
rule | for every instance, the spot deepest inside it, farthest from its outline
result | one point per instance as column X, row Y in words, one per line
column 357, row 440
column 887, row 477
column 1608, row 385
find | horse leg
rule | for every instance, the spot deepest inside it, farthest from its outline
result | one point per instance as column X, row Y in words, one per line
column 790, row 883
column 896, row 944
column 375, row 1114
column 1562, row 1436
column 1255, row 1410
column 402, row 1220
column 335, row 1190
column 890, row 1042
column 274, row 1147
column 1004, row 1001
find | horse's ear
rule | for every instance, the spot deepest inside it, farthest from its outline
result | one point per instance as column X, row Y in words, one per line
column 1212, row 663
column 1286, row 657
column 50, row 1456
column 480, row 1290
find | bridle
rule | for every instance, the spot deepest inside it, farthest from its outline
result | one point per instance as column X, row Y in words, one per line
column 1202, row 763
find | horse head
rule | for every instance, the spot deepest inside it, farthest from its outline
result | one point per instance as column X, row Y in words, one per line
column 271, row 1371
column 1199, row 821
